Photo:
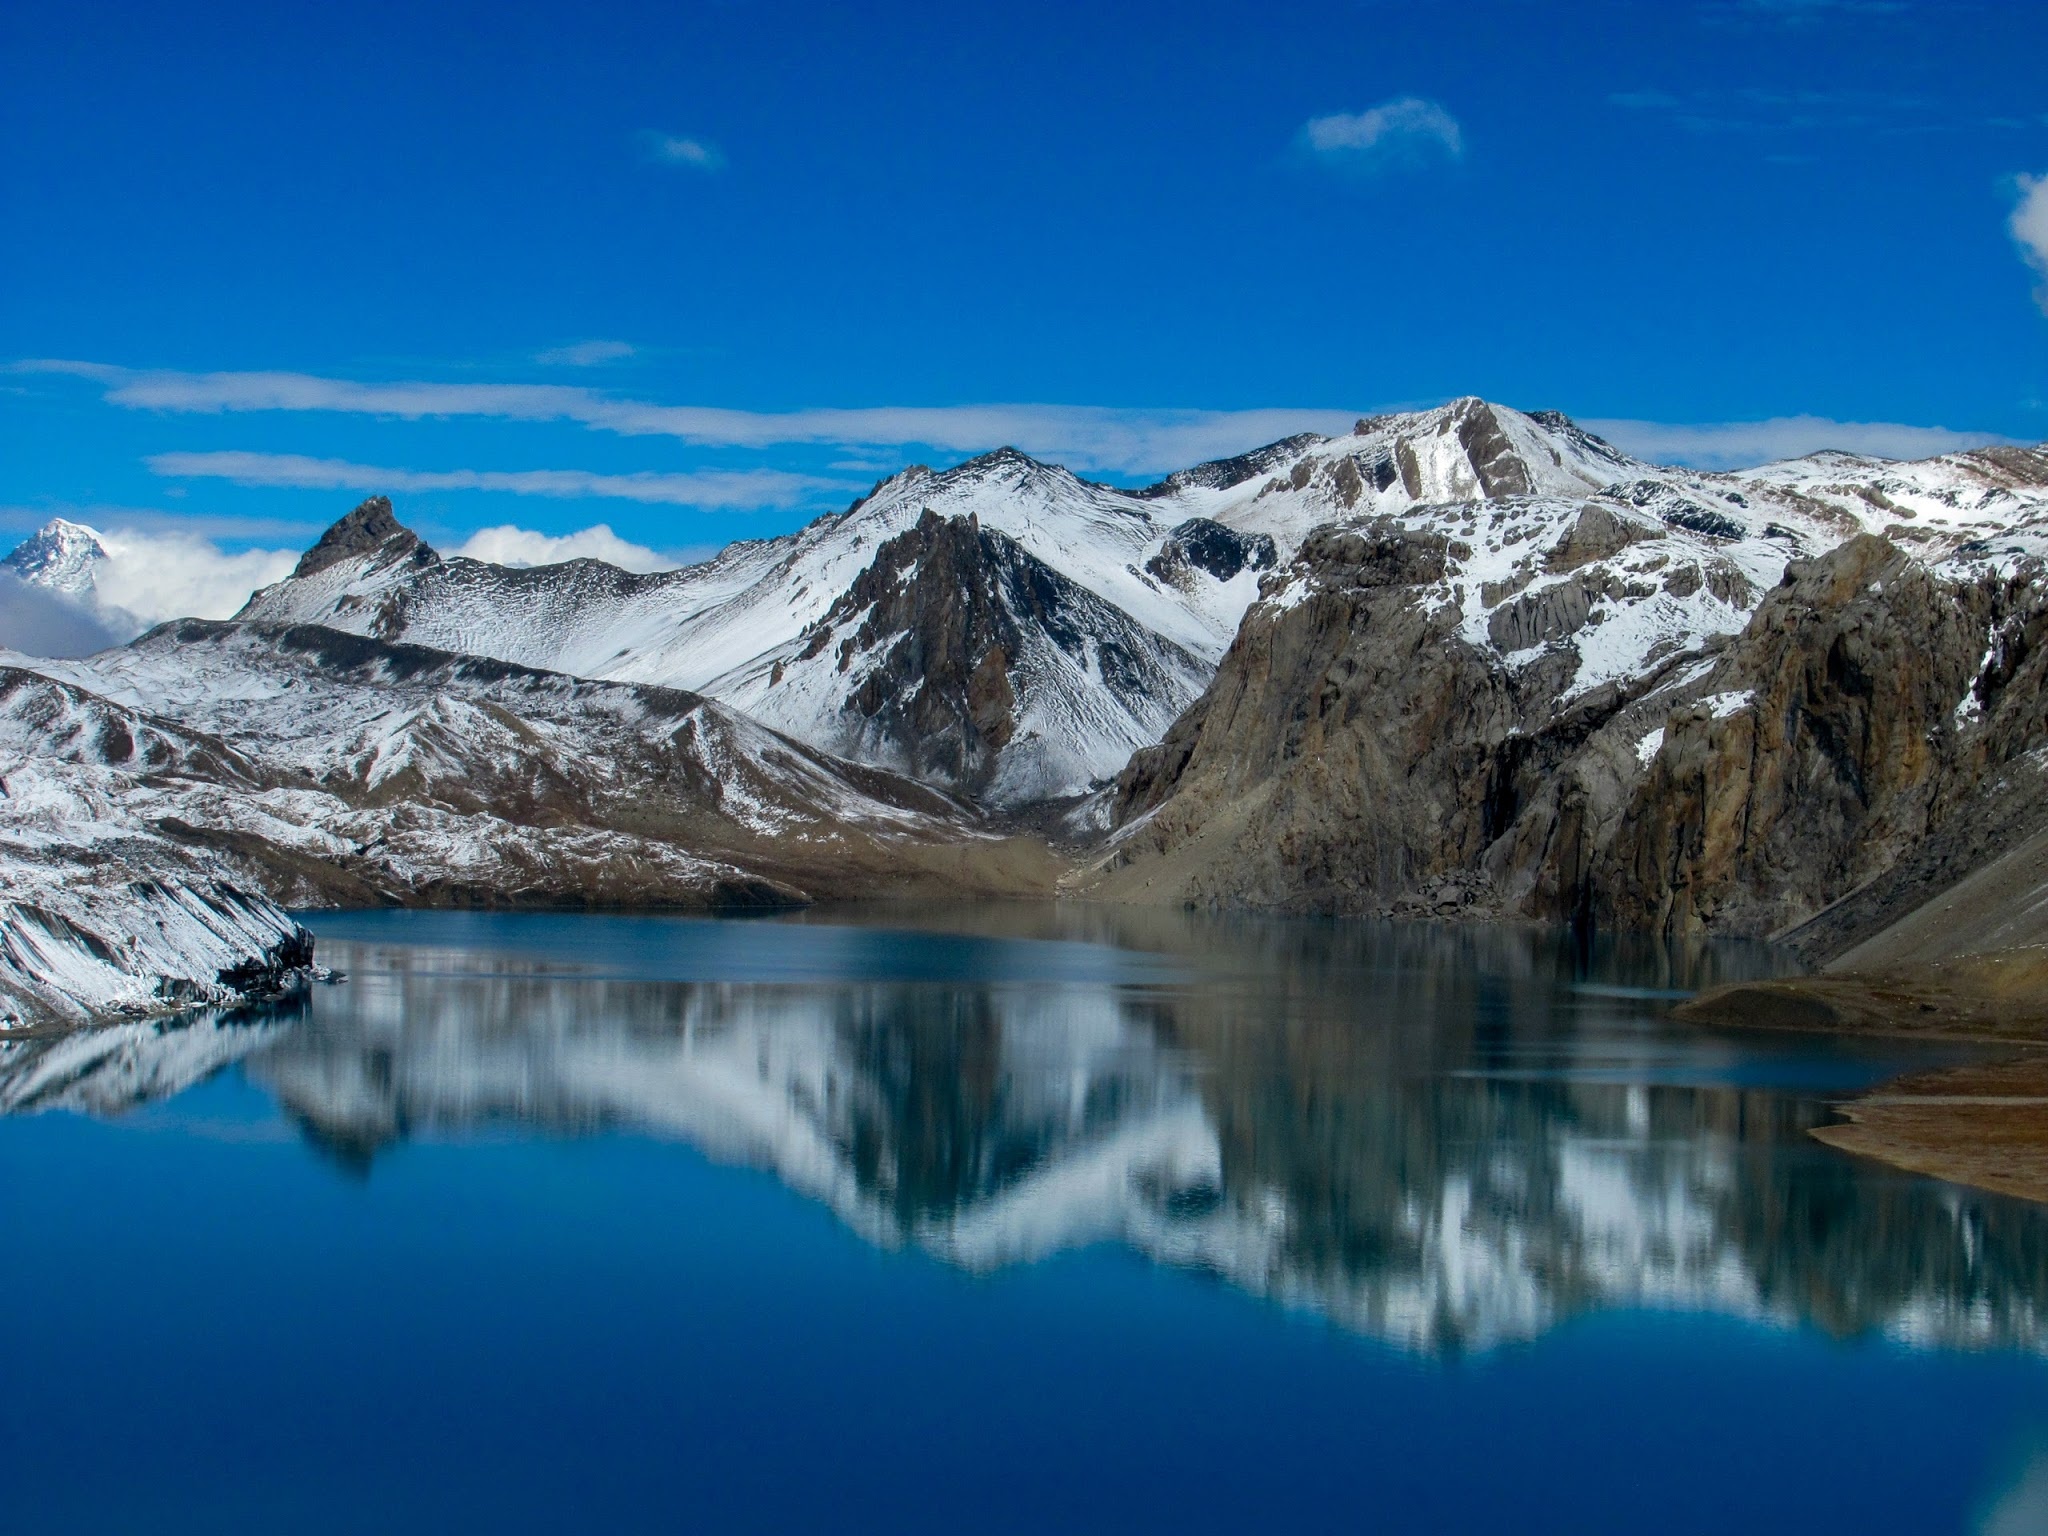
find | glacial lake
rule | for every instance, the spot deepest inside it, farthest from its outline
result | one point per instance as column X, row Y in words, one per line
column 1035, row 1219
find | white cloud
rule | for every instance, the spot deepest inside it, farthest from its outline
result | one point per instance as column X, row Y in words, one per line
column 696, row 154
column 160, row 575
column 585, row 354
column 2030, row 228
column 1085, row 437
column 38, row 622
column 1741, row 444
column 146, row 576
column 1406, row 130
column 707, row 488
column 510, row 545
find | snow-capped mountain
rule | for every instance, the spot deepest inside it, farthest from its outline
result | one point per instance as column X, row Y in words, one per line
column 1078, row 654
column 1098, row 613
column 1699, row 703
column 61, row 556
column 332, row 766
column 1028, row 661
column 390, row 724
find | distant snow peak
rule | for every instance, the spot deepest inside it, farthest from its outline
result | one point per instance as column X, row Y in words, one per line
column 60, row 555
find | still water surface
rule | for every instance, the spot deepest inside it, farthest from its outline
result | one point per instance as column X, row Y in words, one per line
column 1031, row 1219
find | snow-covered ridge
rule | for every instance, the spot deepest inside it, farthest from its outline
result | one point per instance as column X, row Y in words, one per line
column 101, row 913
column 1613, row 580
column 1507, row 485
column 209, row 769
column 76, row 947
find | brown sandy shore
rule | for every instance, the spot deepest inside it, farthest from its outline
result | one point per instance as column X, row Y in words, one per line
column 1984, row 1124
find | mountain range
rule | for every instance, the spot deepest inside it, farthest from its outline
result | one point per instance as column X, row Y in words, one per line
column 1466, row 661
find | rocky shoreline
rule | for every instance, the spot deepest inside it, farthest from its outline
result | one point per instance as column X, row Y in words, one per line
column 1983, row 1124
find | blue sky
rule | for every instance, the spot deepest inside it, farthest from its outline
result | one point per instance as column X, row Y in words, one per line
column 756, row 256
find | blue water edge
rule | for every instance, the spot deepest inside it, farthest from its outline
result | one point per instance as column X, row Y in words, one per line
column 1005, row 1219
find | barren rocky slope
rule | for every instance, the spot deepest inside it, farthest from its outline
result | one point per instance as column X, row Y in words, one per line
column 1591, row 710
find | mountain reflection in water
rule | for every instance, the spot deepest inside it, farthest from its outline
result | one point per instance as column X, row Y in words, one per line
column 1442, row 1138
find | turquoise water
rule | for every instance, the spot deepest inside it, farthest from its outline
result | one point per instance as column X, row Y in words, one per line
column 992, row 1220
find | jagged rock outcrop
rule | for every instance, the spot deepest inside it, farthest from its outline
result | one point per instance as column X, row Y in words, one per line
column 1332, row 758
column 1823, row 769
column 1202, row 544
column 1872, row 731
column 372, row 528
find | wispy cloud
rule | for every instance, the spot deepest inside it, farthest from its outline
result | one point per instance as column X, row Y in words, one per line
column 1106, row 438
column 1741, row 444
column 585, row 354
column 2029, row 227
column 709, row 488
column 1405, row 131
column 690, row 153
column 508, row 544
column 1087, row 438
column 22, row 519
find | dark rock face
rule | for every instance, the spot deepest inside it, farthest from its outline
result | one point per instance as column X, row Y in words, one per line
column 1340, row 758
column 1501, row 471
column 368, row 528
column 283, row 966
column 1597, row 534
column 945, row 631
column 1221, row 474
column 929, row 597
column 1887, row 751
column 1202, row 545
column 1874, row 733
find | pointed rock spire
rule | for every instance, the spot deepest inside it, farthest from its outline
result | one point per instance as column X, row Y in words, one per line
column 369, row 527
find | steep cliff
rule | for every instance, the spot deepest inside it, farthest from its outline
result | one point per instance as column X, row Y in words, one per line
column 1872, row 732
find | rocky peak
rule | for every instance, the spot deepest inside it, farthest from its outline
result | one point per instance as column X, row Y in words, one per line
column 59, row 555
column 370, row 528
